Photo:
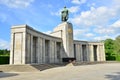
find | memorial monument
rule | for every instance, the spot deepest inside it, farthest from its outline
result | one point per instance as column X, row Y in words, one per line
column 29, row 46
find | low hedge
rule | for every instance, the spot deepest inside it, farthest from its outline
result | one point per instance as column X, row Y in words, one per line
column 110, row 58
column 4, row 59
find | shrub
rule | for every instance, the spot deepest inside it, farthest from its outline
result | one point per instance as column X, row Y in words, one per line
column 4, row 59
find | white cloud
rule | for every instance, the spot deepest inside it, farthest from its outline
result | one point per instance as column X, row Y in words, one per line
column 99, row 38
column 104, row 30
column 94, row 16
column 115, row 27
column 47, row 32
column 78, row 1
column 16, row 3
column 79, row 31
column 74, row 9
column 57, row 13
column 4, row 44
column 116, row 24
column 100, row 20
column 116, row 2
column 89, row 35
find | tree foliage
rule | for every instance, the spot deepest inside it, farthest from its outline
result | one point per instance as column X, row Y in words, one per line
column 112, row 49
column 4, row 56
column 4, row 52
column 117, row 47
column 109, row 49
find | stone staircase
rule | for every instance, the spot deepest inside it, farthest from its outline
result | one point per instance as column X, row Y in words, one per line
column 26, row 68
column 17, row 68
column 41, row 67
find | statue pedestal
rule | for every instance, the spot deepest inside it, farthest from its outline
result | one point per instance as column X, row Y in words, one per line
column 65, row 31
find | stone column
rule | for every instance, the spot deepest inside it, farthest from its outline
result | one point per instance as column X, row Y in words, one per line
column 31, row 48
column 88, row 46
column 81, row 55
column 102, row 53
column 52, row 51
column 104, row 58
column 24, row 48
column 12, row 49
column 28, row 49
column 91, row 53
column 37, row 51
column 98, row 52
column 77, row 52
column 87, row 52
column 43, row 50
column 61, row 52
column 40, row 50
column 55, row 55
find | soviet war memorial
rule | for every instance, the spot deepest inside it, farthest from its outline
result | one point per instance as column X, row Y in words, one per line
column 30, row 46
column 60, row 40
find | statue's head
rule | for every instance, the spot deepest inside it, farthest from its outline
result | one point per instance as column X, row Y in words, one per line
column 65, row 7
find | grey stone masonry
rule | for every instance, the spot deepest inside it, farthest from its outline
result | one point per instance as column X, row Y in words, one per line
column 29, row 46
column 65, row 31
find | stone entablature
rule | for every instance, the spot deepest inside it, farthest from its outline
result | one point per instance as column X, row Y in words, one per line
column 29, row 46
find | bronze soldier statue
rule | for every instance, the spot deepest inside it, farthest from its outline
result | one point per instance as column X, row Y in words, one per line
column 64, row 14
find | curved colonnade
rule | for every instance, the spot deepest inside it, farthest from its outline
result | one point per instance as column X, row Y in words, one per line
column 29, row 46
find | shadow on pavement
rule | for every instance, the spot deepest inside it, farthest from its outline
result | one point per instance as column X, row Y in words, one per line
column 114, row 76
column 4, row 74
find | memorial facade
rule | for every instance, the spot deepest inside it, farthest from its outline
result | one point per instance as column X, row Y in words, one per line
column 29, row 46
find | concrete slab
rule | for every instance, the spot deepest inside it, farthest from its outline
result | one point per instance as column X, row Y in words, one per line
column 106, row 71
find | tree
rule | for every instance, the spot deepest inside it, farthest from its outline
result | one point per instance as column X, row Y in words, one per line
column 117, row 47
column 4, row 56
column 4, row 52
column 109, row 49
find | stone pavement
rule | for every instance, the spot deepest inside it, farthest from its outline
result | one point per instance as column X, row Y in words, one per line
column 106, row 71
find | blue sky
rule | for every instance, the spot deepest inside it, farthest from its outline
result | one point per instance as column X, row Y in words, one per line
column 93, row 20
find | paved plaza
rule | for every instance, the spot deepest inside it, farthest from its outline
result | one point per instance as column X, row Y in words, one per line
column 106, row 71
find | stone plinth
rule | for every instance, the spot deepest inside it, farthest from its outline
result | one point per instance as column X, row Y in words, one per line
column 65, row 31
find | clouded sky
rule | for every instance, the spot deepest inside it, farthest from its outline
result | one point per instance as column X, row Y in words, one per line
column 92, row 20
